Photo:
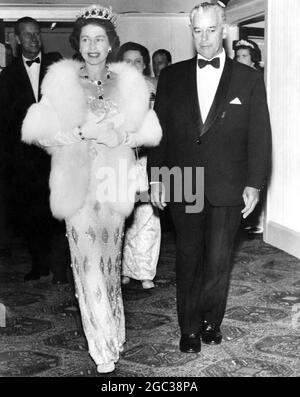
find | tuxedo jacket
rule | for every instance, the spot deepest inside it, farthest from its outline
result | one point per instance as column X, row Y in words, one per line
column 233, row 145
column 25, row 169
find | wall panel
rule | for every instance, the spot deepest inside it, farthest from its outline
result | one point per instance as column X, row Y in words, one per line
column 283, row 84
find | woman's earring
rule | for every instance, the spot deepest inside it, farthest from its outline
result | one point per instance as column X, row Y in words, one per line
column 109, row 50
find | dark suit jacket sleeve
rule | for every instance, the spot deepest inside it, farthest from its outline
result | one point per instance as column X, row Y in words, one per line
column 56, row 56
column 7, row 104
column 157, row 157
column 259, row 137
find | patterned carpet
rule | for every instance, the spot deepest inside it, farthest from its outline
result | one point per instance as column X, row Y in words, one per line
column 43, row 336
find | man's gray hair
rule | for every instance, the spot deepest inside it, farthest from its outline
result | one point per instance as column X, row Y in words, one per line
column 205, row 7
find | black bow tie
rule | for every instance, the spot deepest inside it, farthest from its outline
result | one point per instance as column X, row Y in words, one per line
column 36, row 60
column 214, row 62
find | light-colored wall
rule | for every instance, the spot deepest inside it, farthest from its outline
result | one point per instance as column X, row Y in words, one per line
column 169, row 31
column 159, row 31
column 283, row 85
column 119, row 6
column 153, row 31
column 57, row 40
column 153, row 23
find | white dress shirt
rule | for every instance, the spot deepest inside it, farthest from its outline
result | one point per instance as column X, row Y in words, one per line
column 208, row 79
column 33, row 72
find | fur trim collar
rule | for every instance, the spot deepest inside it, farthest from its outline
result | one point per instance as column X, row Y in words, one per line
column 62, row 108
column 62, row 88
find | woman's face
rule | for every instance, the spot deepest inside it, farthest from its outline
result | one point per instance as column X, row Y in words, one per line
column 243, row 56
column 135, row 59
column 94, row 45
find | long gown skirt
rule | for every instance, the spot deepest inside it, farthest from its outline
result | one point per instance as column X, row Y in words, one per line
column 142, row 244
column 95, row 237
column 142, row 235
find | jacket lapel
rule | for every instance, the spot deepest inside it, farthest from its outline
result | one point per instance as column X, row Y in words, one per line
column 43, row 70
column 24, row 81
column 191, row 86
column 220, row 96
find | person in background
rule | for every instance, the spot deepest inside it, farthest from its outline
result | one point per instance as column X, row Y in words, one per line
column 138, row 56
column 92, row 113
column 248, row 53
column 160, row 59
column 143, row 232
column 25, row 169
column 214, row 116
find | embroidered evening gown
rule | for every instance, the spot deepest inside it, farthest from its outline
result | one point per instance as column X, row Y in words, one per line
column 95, row 238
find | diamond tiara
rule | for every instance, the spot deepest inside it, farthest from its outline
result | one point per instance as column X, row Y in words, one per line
column 244, row 43
column 98, row 12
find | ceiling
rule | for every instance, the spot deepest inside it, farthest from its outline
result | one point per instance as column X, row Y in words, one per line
column 65, row 10
column 122, row 6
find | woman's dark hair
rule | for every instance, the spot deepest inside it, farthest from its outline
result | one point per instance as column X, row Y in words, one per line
column 131, row 46
column 109, row 28
column 253, row 49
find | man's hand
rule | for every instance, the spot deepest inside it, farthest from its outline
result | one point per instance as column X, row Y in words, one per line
column 158, row 195
column 251, row 198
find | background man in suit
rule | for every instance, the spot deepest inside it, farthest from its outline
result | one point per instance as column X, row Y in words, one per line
column 160, row 59
column 214, row 115
column 25, row 169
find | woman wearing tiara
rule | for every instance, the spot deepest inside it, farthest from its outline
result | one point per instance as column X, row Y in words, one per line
column 248, row 53
column 91, row 115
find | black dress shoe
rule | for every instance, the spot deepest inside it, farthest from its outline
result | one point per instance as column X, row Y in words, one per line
column 211, row 334
column 32, row 275
column 190, row 343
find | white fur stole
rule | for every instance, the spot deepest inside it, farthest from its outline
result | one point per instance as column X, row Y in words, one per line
column 62, row 108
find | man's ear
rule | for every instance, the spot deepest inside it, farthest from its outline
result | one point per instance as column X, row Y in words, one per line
column 225, row 30
column 18, row 40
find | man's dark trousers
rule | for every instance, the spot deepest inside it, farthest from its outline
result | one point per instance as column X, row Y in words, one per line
column 203, row 261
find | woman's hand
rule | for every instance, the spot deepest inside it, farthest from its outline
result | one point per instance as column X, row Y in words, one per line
column 103, row 132
column 93, row 128
column 111, row 137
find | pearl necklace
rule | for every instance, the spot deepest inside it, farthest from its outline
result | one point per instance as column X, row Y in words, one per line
column 97, row 83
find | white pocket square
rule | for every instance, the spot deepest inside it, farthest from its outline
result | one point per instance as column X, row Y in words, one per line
column 235, row 101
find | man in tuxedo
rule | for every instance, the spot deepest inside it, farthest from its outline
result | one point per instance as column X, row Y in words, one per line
column 214, row 115
column 26, row 169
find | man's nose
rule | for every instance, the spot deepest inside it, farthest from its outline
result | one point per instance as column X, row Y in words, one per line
column 204, row 36
column 34, row 38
